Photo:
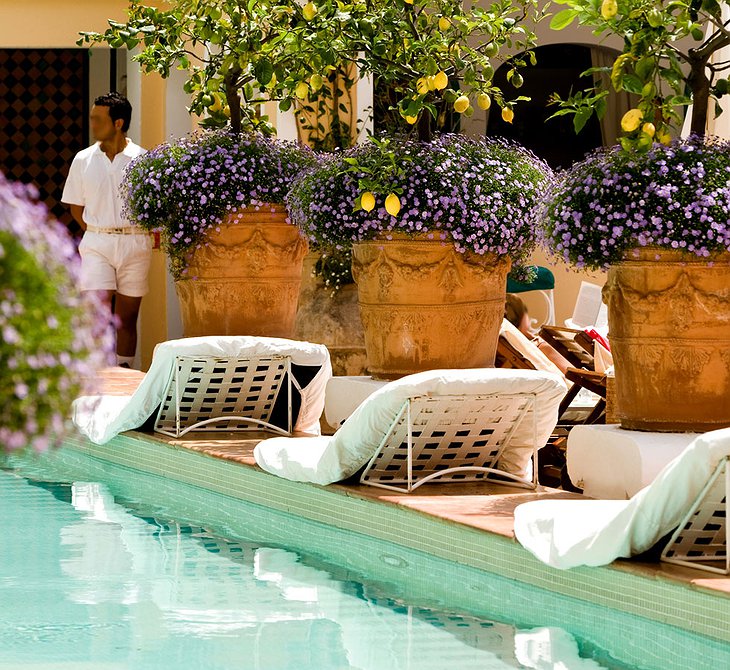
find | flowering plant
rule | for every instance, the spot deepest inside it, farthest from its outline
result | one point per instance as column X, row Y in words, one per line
column 480, row 193
column 53, row 337
column 673, row 197
column 185, row 188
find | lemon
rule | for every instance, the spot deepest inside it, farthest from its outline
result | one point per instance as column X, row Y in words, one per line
column 631, row 120
column 422, row 86
column 367, row 201
column 649, row 129
column 392, row 204
column 409, row 2
column 316, row 81
column 302, row 90
column 430, row 82
column 411, row 119
column 491, row 50
column 217, row 105
column 272, row 81
column 507, row 115
column 444, row 24
column 461, row 104
column 609, row 9
column 309, row 11
column 664, row 137
column 440, row 81
column 517, row 80
column 484, row 101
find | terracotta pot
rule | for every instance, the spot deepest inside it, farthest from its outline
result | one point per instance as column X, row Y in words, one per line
column 332, row 320
column 669, row 320
column 424, row 306
column 246, row 280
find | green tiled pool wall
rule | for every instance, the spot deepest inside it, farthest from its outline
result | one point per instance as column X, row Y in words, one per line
column 654, row 600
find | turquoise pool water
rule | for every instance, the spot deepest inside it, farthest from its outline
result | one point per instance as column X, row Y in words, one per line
column 93, row 577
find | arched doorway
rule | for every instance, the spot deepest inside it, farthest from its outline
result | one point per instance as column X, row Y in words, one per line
column 558, row 70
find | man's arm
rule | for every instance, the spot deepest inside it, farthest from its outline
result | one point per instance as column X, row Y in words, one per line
column 77, row 211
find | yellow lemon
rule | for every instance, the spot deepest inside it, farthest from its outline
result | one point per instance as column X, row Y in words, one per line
column 440, row 81
column 631, row 120
column 367, row 201
column 430, row 82
column 392, row 204
column 444, row 23
column 411, row 119
column 422, row 86
column 316, row 81
column 484, row 101
column 217, row 103
column 664, row 137
column 302, row 90
column 507, row 115
column 309, row 11
column 649, row 129
column 609, row 9
column 409, row 2
column 461, row 104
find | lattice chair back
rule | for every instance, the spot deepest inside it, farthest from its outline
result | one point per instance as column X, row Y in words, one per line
column 700, row 540
column 225, row 394
column 451, row 438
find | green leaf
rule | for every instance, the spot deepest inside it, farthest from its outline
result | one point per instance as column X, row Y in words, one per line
column 581, row 118
column 563, row 19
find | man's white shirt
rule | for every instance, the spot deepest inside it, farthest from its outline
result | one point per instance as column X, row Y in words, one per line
column 94, row 183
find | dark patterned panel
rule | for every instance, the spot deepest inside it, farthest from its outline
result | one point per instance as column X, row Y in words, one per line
column 43, row 118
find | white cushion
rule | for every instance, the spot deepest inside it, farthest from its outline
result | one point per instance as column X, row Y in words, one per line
column 101, row 418
column 528, row 349
column 569, row 533
column 611, row 463
column 326, row 460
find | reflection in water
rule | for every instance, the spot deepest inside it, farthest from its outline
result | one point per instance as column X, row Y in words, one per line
column 109, row 586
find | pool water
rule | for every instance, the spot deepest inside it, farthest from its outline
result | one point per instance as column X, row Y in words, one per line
column 90, row 580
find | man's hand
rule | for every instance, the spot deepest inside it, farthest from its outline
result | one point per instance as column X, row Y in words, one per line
column 77, row 211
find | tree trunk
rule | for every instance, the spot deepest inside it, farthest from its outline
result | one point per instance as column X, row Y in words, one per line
column 234, row 102
column 700, row 85
column 425, row 127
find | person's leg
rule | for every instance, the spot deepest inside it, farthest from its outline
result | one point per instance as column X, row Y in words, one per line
column 132, row 268
column 126, row 311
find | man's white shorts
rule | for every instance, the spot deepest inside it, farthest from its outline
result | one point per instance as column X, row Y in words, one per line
column 118, row 263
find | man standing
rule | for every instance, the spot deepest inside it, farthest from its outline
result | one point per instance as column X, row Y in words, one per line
column 115, row 255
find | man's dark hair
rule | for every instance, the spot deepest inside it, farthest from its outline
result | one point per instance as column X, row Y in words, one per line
column 119, row 107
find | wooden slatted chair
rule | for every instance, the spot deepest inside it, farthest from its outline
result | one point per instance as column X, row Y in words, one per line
column 225, row 394
column 570, row 344
column 700, row 540
column 449, row 438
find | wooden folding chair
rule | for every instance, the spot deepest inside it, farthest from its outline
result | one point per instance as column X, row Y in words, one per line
column 570, row 344
column 225, row 394
column 451, row 438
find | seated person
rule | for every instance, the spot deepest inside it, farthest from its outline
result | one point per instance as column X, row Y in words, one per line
column 515, row 311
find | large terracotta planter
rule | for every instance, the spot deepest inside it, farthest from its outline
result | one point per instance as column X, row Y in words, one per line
column 246, row 280
column 332, row 320
column 669, row 320
column 425, row 306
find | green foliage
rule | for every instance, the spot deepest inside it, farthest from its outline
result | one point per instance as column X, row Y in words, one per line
column 665, row 61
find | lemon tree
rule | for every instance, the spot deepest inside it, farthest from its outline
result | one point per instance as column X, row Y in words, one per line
column 667, row 62
column 237, row 54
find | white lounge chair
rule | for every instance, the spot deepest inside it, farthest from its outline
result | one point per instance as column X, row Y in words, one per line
column 231, row 394
column 218, row 383
column 436, row 426
column 688, row 499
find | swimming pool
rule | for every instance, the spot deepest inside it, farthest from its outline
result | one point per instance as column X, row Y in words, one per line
column 142, row 572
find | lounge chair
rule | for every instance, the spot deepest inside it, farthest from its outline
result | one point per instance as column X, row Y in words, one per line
column 435, row 426
column 687, row 499
column 218, row 383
